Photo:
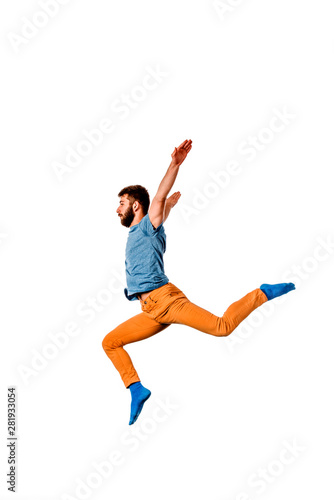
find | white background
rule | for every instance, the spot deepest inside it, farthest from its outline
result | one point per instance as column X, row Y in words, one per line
column 236, row 401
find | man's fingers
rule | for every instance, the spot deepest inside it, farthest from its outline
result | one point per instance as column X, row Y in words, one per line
column 187, row 146
column 185, row 143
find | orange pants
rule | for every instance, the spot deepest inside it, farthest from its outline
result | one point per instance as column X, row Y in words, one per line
column 167, row 305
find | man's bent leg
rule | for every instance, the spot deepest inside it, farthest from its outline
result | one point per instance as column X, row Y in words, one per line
column 184, row 312
column 137, row 328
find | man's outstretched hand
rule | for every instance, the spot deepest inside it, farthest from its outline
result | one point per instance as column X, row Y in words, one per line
column 173, row 199
column 179, row 154
column 170, row 203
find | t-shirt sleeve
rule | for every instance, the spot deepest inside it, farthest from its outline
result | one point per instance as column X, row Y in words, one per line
column 147, row 227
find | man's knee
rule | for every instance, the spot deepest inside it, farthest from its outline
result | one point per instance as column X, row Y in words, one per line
column 226, row 333
column 225, row 327
column 105, row 343
column 111, row 341
column 222, row 333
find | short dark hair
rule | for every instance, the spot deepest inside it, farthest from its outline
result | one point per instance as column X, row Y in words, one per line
column 137, row 193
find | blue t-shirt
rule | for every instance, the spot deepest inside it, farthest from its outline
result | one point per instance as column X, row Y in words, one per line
column 144, row 264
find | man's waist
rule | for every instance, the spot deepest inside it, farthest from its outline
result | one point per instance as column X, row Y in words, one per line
column 143, row 295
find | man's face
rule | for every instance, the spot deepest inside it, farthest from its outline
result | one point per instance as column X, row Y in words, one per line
column 125, row 211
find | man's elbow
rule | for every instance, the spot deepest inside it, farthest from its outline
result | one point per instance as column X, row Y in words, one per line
column 160, row 198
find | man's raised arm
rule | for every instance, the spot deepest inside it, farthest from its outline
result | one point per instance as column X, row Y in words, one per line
column 156, row 211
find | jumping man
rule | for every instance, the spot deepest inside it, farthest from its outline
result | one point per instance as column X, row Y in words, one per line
column 162, row 303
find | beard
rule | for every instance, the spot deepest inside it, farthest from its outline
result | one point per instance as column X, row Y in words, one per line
column 127, row 217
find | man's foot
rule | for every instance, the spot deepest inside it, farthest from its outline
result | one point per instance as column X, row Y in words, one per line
column 139, row 395
column 273, row 291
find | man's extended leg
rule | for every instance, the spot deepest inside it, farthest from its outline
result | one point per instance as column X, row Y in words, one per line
column 137, row 328
column 184, row 312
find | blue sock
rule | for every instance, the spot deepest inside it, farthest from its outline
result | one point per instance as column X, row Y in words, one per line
column 273, row 291
column 139, row 395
